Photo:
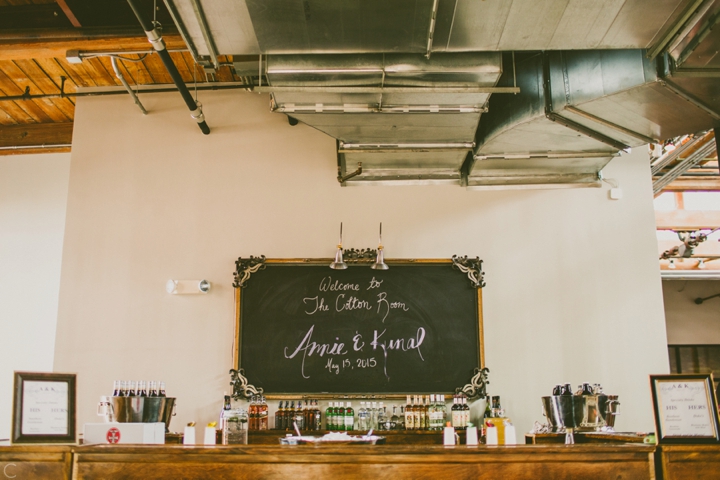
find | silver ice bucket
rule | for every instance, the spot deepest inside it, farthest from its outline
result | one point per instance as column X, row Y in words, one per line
column 564, row 411
column 143, row 410
column 594, row 412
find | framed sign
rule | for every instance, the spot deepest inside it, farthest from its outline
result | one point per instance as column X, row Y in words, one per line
column 685, row 408
column 305, row 329
column 44, row 408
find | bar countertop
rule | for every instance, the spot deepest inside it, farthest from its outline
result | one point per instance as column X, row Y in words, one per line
column 338, row 461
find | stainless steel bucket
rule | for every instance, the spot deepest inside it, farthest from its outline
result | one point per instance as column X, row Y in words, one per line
column 144, row 410
column 564, row 411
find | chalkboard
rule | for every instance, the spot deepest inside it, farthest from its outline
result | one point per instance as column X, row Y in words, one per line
column 305, row 328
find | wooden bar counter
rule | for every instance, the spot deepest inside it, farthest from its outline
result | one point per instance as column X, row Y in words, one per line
column 341, row 461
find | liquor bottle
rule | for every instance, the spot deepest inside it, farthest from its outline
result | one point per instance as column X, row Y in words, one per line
column 372, row 416
column 497, row 410
column 440, row 406
column 383, row 418
column 340, row 418
column 557, row 390
column 317, row 426
column 297, row 417
column 466, row 412
column 116, row 388
column 161, row 391
column 488, row 410
column 409, row 418
column 422, row 413
column 455, row 419
column 253, row 413
column 349, row 417
column 362, row 417
column 433, row 412
column 394, row 419
column 278, row 417
column 586, row 389
column 416, row 413
column 223, row 412
column 401, row 418
column 328, row 416
column 314, row 415
column 566, row 390
column 263, row 414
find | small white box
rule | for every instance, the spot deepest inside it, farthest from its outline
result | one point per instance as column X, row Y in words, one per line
column 144, row 433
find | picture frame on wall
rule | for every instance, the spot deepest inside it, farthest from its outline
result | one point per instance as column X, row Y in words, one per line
column 685, row 408
column 44, row 408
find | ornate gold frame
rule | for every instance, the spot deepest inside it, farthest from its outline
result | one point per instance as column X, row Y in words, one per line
column 471, row 267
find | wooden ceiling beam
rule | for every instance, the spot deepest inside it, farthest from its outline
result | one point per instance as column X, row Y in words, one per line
column 687, row 219
column 694, row 184
column 68, row 13
column 35, row 135
column 56, row 43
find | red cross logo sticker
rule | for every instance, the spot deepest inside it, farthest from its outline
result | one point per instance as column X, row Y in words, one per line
column 113, row 435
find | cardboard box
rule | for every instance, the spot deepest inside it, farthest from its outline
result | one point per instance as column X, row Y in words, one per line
column 143, row 433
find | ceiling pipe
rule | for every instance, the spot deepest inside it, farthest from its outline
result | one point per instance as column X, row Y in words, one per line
column 159, row 45
column 120, row 77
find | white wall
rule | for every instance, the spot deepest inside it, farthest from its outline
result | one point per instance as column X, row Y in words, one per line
column 688, row 322
column 33, row 196
column 573, row 289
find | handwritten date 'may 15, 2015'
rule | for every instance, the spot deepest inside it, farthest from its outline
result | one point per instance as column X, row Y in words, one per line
column 347, row 299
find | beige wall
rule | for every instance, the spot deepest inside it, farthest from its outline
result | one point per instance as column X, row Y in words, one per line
column 33, row 196
column 573, row 289
column 687, row 322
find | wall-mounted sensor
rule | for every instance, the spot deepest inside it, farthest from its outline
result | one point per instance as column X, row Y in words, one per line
column 187, row 287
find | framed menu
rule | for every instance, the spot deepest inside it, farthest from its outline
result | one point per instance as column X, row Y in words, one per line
column 686, row 409
column 44, row 408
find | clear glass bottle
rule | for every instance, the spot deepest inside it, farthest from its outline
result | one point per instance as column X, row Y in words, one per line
column 317, row 417
column 394, row 419
column 362, row 424
column 443, row 412
column 297, row 417
column 373, row 415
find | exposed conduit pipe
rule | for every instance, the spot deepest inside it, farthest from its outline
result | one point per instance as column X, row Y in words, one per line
column 120, row 77
column 159, row 45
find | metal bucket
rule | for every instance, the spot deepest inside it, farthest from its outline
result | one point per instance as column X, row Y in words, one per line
column 144, row 410
column 564, row 411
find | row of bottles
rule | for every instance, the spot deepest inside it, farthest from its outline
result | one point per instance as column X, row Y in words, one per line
column 306, row 417
column 151, row 388
column 339, row 418
column 584, row 389
column 425, row 412
column 460, row 412
column 257, row 413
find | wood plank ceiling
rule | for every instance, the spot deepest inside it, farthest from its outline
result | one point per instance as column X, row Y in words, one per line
column 34, row 38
